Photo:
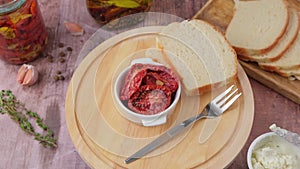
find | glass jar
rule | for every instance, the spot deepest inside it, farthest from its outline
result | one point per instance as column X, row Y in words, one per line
column 110, row 11
column 23, row 35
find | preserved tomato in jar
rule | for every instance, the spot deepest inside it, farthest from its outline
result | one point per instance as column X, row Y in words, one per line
column 109, row 11
column 23, row 35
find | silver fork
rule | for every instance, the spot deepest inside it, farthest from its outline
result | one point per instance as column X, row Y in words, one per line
column 213, row 109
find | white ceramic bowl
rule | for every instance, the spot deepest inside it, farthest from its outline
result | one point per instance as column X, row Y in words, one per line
column 145, row 120
column 274, row 139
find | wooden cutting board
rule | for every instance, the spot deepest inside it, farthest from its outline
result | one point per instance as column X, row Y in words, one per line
column 210, row 143
column 219, row 14
column 86, row 153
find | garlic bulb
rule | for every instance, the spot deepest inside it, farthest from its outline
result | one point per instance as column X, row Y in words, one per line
column 27, row 75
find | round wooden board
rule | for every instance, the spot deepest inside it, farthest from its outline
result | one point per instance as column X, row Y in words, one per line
column 114, row 138
column 83, row 149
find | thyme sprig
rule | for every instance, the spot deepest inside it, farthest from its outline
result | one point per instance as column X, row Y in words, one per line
column 21, row 115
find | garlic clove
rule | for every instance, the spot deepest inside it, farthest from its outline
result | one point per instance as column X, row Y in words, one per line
column 21, row 74
column 27, row 75
column 30, row 77
column 74, row 28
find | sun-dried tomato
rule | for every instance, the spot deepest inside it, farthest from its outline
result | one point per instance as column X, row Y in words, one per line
column 133, row 80
column 164, row 79
column 149, row 88
column 149, row 80
column 33, row 8
column 150, row 99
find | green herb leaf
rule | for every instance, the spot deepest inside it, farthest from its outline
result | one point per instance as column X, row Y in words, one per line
column 16, row 17
column 18, row 112
column 7, row 32
column 124, row 3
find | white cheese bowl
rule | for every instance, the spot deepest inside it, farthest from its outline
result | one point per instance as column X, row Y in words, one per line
column 145, row 120
column 272, row 150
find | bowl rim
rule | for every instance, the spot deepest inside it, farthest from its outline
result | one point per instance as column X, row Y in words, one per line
column 142, row 116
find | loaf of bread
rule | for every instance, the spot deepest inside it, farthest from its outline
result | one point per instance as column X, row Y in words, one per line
column 282, row 45
column 199, row 54
column 267, row 32
column 257, row 26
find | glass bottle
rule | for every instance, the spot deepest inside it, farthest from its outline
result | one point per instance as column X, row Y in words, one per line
column 109, row 11
column 23, row 35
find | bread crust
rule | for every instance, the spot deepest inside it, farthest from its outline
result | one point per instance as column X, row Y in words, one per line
column 232, row 79
column 293, row 65
column 273, row 59
column 284, row 74
column 278, row 56
column 207, row 88
column 248, row 52
column 284, row 70
column 274, row 68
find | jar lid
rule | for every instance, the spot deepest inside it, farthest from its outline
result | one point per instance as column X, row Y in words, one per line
column 10, row 5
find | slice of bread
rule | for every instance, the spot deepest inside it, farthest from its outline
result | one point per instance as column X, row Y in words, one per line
column 289, row 60
column 182, row 67
column 257, row 25
column 290, row 72
column 284, row 42
column 227, row 60
column 200, row 55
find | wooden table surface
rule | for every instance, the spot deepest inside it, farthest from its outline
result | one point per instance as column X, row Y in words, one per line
column 18, row 150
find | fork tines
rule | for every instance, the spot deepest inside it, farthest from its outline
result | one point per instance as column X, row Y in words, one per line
column 223, row 99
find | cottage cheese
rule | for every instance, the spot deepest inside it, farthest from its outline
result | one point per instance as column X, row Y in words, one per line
column 272, row 156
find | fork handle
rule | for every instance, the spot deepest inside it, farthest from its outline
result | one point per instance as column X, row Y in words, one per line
column 193, row 119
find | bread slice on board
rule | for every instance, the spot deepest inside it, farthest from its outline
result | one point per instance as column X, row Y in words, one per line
column 284, row 42
column 257, row 25
column 200, row 54
column 290, row 73
column 289, row 60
